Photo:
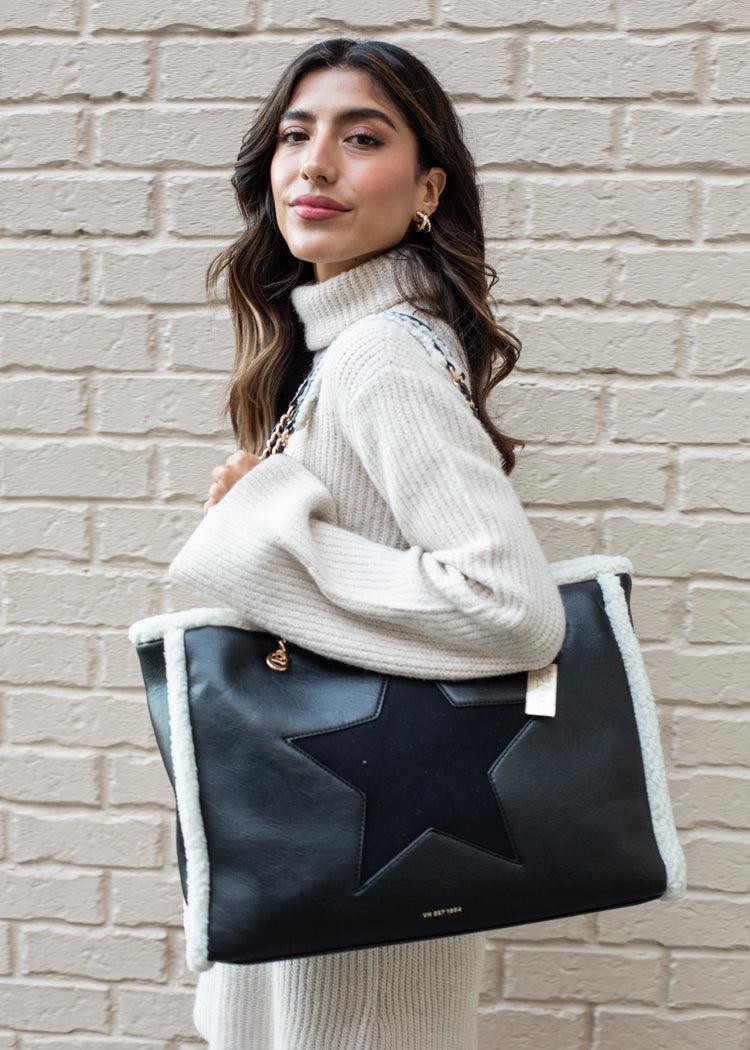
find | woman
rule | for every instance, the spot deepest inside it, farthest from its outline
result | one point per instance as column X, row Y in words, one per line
column 388, row 533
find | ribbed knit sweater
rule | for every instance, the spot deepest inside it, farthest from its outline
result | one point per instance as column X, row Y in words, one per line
column 386, row 535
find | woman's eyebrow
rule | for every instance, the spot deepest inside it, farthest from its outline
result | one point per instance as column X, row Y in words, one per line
column 357, row 113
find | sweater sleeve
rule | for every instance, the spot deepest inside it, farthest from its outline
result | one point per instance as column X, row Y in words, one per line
column 471, row 594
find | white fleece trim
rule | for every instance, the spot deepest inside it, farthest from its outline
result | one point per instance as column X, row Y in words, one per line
column 150, row 628
column 187, row 793
column 647, row 721
column 589, row 566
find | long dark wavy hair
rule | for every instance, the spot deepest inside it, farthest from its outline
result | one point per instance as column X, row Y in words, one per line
column 446, row 268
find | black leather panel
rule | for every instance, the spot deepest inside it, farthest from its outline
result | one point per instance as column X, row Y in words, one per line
column 287, row 822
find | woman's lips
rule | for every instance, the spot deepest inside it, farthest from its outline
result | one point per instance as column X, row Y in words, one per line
column 306, row 211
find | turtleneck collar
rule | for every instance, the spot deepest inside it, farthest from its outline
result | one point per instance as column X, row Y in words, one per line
column 326, row 308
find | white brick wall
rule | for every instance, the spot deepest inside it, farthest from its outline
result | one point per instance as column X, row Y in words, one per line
column 614, row 144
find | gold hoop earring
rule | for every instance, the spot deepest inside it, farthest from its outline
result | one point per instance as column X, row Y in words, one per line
column 424, row 223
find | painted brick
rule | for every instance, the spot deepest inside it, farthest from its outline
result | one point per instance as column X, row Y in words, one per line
column 612, row 145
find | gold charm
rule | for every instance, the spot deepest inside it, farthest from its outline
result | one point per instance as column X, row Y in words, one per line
column 278, row 660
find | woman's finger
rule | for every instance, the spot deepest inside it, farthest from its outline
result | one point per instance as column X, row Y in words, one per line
column 237, row 464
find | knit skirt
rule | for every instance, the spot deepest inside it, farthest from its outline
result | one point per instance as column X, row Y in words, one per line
column 419, row 995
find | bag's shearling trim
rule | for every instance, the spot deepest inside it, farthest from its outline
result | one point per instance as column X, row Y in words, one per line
column 187, row 793
column 152, row 628
column 647, row 721
column 588, row 567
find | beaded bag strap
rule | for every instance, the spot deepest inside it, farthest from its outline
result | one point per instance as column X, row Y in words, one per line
column 278, row 659
column 457, row 375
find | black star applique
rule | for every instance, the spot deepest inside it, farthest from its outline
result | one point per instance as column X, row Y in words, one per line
column 422, row 763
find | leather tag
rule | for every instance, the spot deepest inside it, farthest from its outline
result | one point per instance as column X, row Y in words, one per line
column 541, row 691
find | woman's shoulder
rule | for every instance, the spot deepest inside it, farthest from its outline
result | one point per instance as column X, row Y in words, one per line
column 397, row 338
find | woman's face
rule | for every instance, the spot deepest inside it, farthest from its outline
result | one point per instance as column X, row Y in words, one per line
column 365, row 162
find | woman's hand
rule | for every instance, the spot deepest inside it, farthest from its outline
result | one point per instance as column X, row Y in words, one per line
column 235, row 467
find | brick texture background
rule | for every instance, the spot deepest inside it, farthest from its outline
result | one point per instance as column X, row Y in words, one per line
column 613, row 138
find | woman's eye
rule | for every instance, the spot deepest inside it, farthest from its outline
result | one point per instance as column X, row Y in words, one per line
column 364, row 135
column 284, row 137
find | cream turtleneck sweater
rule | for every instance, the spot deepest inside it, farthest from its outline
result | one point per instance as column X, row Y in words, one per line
column 386, row 535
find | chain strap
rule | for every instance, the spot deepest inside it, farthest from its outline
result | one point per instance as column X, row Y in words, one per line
column 278, row 659
column 285, row 426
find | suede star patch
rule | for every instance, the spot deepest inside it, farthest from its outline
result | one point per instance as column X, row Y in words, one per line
column 422, row 764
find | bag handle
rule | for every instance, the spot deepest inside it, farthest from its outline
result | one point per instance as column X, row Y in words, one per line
column 458, row 376
column 285, row 426
column 278, row 659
